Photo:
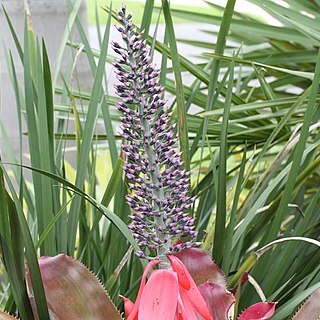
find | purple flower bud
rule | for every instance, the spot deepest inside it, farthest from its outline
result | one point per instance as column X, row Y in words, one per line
column 140, row 254
column 121, row 30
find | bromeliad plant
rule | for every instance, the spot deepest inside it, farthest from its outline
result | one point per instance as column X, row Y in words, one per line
column 187, row 285
column 184, row 282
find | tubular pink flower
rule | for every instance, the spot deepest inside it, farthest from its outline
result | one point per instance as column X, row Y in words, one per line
column 128, row 304
column 168, row 295
column 134, row 310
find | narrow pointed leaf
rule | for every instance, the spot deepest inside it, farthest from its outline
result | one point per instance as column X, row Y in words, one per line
column 181, row 111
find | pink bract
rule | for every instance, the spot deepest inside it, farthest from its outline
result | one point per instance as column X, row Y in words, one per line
column 259, row 311
column 174, row 294
column 168, row 295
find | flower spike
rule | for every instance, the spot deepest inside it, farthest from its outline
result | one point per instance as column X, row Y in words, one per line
column 158, row 184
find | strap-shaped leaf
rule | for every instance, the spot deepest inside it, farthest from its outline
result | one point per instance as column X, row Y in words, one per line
column 73, row 292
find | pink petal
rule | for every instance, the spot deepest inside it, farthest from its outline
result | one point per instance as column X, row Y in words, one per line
column 259, row 311
column 218, row 299
column 160, row 296
column 134, row 311
column 201, row 267
column 181, row 314
column 181, row 271
column 185, row 306
column 128, row 305
column 193, row 293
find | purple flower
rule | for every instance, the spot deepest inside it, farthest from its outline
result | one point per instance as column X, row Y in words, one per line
column 158, row 186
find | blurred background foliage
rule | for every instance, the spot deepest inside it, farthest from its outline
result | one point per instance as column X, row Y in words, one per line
column 248, row 124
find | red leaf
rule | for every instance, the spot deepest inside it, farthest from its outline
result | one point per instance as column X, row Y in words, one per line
column 182, row 272
column 201, row 267
column 310, row 309
column 259, row 311
column 72, row 291
column 218, row 299
column 6, row 316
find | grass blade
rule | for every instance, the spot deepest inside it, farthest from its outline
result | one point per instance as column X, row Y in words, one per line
column 88, row 133
column 220, row 223
column 31, row 256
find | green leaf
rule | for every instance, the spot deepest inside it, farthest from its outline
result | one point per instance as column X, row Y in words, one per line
column 286, row 310
column 30, row 255
column 181, row 110
column 297, row 157
column 147, row 16
column 113, row 183
column 302, row 74
column 84, row 151
column 220, row 224
column 65, row 36
column 106, row 212
column 10, row 258
column 267, row 247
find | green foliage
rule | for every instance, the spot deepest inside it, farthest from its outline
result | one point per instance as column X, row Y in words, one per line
column 137, row 7
column 253, row 149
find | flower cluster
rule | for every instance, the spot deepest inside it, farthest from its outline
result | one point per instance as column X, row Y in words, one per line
column 158, row 184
